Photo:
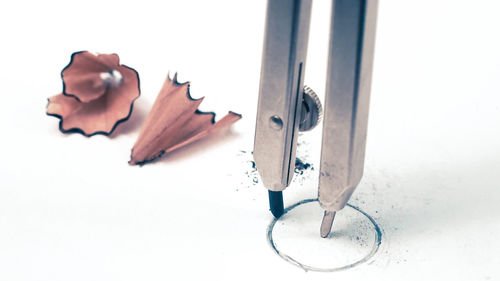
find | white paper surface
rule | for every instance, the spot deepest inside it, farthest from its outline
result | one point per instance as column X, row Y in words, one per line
column 72, row 209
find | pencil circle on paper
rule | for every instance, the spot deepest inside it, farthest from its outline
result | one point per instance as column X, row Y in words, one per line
column 354, row 240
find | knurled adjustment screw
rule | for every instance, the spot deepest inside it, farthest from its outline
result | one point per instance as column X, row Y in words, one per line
column 311, row 112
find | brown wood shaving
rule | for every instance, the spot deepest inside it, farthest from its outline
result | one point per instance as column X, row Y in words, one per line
column 175, row 121
column 98, row 94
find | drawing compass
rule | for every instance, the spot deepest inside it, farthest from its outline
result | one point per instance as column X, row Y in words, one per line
column 285, row 106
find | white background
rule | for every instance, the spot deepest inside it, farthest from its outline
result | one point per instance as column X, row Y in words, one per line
column 72, row 209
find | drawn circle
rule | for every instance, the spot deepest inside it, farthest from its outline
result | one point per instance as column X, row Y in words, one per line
column 354, row 240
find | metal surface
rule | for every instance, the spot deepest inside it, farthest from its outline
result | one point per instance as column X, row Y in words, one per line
column 311, row 112
column 326, row 223
column 352, row 37
column 281, row 83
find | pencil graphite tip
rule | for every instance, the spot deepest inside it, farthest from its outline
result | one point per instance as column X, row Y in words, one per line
column 276, row 203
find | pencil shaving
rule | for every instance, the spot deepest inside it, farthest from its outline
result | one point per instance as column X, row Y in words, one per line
column 98, row 94
column 175, row 121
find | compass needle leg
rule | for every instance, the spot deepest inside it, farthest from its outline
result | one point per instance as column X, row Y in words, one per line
column 326, row 223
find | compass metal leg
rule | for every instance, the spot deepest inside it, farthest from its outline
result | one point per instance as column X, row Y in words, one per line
column 352, row 38
column 280, row 95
